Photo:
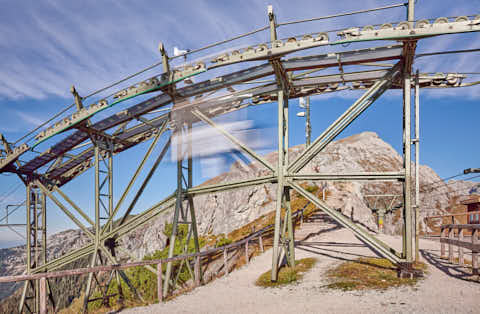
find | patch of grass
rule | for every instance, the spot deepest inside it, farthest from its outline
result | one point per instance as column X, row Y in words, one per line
column 368, row 274
column 222, row 240
column 287, row 275
column 311, row 188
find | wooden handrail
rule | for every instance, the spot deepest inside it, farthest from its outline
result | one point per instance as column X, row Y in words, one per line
column 447, row 236
column 456, row 214
column 86, row 270
column 158, row 262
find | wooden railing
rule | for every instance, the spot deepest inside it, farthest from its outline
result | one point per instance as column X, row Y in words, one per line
column 447, row 237
column 254, row 237
column 453, row 219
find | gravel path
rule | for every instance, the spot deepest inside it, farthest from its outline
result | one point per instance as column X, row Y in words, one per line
column 446, row 289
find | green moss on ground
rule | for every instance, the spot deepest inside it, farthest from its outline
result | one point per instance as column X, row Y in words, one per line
column 287, row 275
column 369, row 274
column 222, row 240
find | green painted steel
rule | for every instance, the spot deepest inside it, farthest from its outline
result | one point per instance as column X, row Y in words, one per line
column 69, row 201
column 284, row 174
column 280, row 182
column 178, row 208
column 417, row 167
column 345, row 119
column 65, row 210
column 132, row 181
column 383, row 248
column 222, row 187
column 407, row 164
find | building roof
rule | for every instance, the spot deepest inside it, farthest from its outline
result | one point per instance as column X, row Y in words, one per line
column 473, row 199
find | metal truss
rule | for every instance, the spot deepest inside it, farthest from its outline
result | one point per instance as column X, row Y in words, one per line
column 36, row 248
column 94, row 144
column 184, row 211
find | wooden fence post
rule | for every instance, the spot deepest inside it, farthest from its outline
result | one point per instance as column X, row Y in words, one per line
column 442, row 244
column 197, row 271
column 460, row 247
column 225, row 264
column 474, row 252
column 246, row 252
column 159, row 283
column 43, row 295
column 260, row 242
column 450, row 245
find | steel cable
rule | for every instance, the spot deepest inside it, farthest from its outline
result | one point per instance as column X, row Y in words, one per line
column 342, row 14
column 13, row 210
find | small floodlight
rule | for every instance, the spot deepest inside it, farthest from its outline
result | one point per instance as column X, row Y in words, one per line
column 301, row 114
column 178, row 52
column 302, row 102
column 270, row 9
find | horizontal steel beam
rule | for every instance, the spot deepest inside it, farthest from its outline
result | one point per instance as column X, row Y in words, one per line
column 404, row 31
column 367, row 176
column 13, row 225
column 221, row 187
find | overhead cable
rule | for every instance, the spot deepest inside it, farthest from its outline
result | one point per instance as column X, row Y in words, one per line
column 342, row 14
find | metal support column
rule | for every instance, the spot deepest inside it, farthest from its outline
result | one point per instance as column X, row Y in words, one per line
column 278, row 208
column 178, row 205
column 181, row 215
column 407, row 148
column 407, row 163
column 36, row 246
column 28, row 231
column 193, row 218
column 308, row 126
column 104, row 210
column 93, row 261
column 417, row 166
column 283, row 193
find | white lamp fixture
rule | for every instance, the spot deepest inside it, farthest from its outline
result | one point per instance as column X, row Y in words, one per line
column 178, row 52
column 302, row 102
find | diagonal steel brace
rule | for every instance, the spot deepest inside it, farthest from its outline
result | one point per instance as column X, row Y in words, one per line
column 345, row 119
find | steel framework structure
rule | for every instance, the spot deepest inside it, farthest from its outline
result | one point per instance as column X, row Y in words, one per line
column 85, row 144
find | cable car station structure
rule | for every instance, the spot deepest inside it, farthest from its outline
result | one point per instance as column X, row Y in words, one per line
column 94, row 144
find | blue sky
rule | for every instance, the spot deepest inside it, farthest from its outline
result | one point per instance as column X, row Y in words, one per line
column 46, row 46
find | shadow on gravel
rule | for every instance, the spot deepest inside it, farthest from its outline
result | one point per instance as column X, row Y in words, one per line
column 314, row 234
column 452, row 270
column 339, row 244
column 315, row 248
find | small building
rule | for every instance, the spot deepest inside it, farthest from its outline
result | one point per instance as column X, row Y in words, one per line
column 473, row 205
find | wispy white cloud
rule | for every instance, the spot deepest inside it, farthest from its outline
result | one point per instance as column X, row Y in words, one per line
column 34, row 120
column 47, row 46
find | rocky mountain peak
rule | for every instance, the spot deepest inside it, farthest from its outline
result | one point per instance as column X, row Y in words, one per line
column 223, row 212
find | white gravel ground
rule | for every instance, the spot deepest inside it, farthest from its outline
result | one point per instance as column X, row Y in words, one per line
column 446, row 289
